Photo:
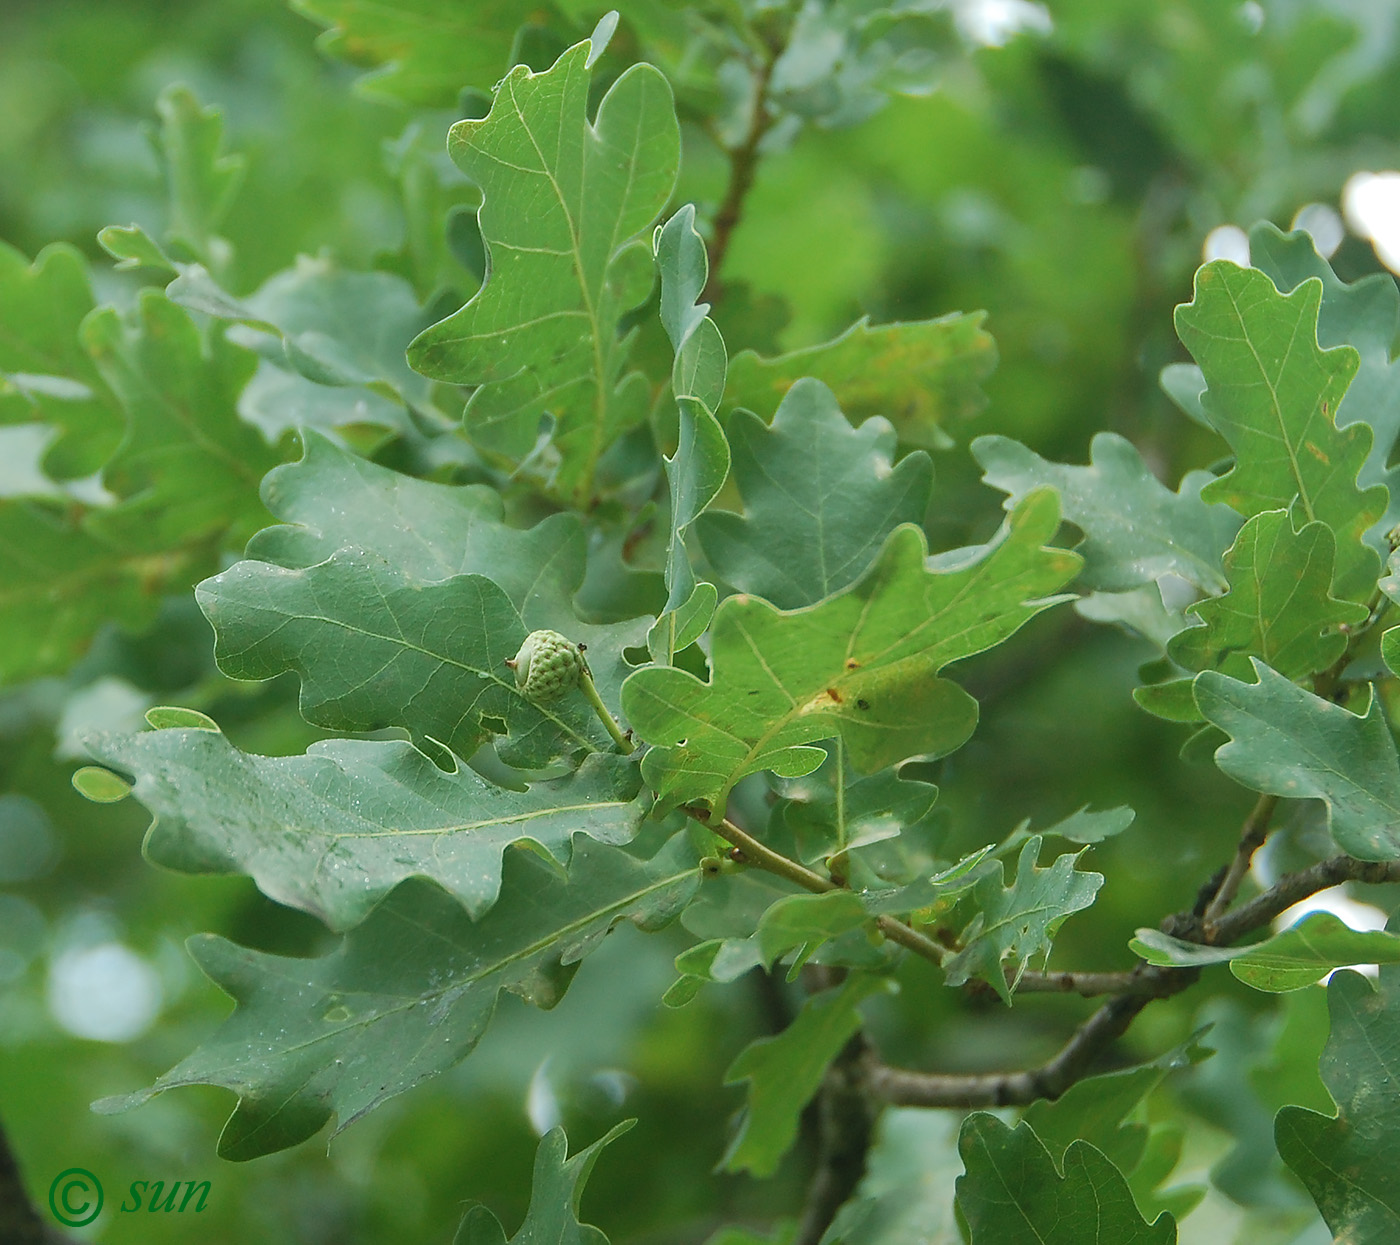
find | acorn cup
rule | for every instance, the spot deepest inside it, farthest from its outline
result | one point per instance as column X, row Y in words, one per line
column 549, row 666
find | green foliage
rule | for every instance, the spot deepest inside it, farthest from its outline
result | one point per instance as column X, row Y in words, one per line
column 554, row 1198
column 1288, row 961
column 1015, row 1192
column 1347, row 1161
column 550, row 446
column 1164, row 532
column 1273, row 394
column 824, row 498
column 864, row 662
column 923, row 376
column 784, row 1072
column 314, row 831
column 1016, row 923
column 1279, row 608
column 566, row 204
column 1287, row 741
column 408, row 993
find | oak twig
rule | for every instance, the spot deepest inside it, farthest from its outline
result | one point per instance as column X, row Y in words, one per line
column 847, row 1121
column 1291, row 888
column 743, row 166
column 19, row 1221
column 1087, row 985
column 903, row 1088
column 1252, row 835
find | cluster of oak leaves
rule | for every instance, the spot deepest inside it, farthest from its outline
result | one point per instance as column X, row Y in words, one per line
column 399, row 602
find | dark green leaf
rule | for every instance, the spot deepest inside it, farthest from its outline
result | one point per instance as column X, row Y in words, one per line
column 1350, row 1163
column 432, row 543
column 409, row 993
column 1097, row 1109
column 863, row 664
column 375, row 647
column 820, row 499
column 554, row 1198
column 1013, row 1194
column 785, row 1071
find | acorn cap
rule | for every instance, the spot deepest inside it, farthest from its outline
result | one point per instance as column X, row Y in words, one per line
column 548, row 666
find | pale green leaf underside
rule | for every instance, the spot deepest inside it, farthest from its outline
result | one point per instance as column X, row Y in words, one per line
column 409, row 992
column 333, row 832
column 1290, row 960
column 863, row 664
column 1135, row 528
column 698, row 469
column 1288, row 742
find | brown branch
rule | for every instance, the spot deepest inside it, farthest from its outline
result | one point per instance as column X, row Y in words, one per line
column 19, row 1221
column 743, row 166
column 1134, row 990
column 847, row 1120
column 1087, row 985
column 1252, row 835
column 1261, row 910
column 903, row 1088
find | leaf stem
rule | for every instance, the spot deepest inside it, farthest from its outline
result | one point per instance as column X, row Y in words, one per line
column 756, row 853
column 588, row 688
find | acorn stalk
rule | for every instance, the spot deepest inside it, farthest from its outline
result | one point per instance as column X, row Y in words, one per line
column 550, row 665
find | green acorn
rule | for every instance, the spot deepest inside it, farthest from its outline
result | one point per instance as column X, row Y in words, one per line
column 547, row 666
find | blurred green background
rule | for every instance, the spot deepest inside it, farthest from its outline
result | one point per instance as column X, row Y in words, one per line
column 1067, row 181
